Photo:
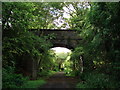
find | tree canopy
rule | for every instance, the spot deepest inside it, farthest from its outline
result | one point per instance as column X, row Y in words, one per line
column 97, row 23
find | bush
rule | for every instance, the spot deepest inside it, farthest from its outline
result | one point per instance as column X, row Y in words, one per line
column 12, row 80
column 94, row 80
column 46, row 73
column 75, row 73
column 34, row 83
column 68, row 71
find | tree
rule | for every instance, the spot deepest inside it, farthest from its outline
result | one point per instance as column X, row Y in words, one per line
column 18, row 41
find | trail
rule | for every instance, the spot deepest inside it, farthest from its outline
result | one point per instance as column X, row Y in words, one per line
column 59, row 80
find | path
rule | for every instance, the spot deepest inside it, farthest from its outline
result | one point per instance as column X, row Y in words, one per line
column 59, row 80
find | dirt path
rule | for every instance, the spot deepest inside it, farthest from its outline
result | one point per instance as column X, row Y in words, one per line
column 59, row 80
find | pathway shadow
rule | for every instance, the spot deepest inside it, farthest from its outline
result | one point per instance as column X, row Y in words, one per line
column 59, row 80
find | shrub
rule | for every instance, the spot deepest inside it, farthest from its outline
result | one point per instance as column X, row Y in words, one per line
column 34, row 83
column 12, row 80
column 46, row 73
column 94, row 80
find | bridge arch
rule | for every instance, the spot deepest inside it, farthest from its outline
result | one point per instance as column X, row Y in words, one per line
column 62, row 45
column 63, row 38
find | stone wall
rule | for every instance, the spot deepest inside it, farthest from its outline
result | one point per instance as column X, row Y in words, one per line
column 28, row 67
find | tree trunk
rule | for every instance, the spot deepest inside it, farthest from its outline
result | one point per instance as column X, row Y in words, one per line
column 81, row 64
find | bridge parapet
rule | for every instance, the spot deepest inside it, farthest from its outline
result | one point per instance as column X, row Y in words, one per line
column 64, row 38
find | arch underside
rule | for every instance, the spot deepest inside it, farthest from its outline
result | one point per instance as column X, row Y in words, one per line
column 70, row 44
column 62, row 45
column 63, row 38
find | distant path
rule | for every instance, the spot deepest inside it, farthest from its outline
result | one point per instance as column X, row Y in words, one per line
column 59, row 80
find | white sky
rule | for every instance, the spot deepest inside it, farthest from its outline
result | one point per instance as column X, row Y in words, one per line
column 66, row 14
column 61, row 49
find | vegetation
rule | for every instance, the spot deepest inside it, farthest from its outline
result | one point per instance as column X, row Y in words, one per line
column 95, row 60
column 34, row 84
column 19, row 43
column 97, row 80
column 12, row 80
column 100, row 48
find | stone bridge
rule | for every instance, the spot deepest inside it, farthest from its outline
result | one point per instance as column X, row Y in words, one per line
column 63, row 38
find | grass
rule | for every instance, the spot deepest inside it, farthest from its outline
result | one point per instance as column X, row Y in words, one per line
column 34, row 83
column 39, row 82
column 51, row 73
column 46, row 74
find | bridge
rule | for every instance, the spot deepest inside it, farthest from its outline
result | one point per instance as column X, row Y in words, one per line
column 63, row 38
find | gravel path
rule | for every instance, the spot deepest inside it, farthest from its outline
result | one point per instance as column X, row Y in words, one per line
column 59, row 80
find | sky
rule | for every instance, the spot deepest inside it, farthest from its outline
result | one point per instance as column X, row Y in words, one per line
column 66, row 14
column 61, row 50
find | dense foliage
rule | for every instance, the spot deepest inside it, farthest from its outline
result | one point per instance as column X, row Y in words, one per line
column 19, row 44
column 12, row 80
column 95, row 59
column 100, row 48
